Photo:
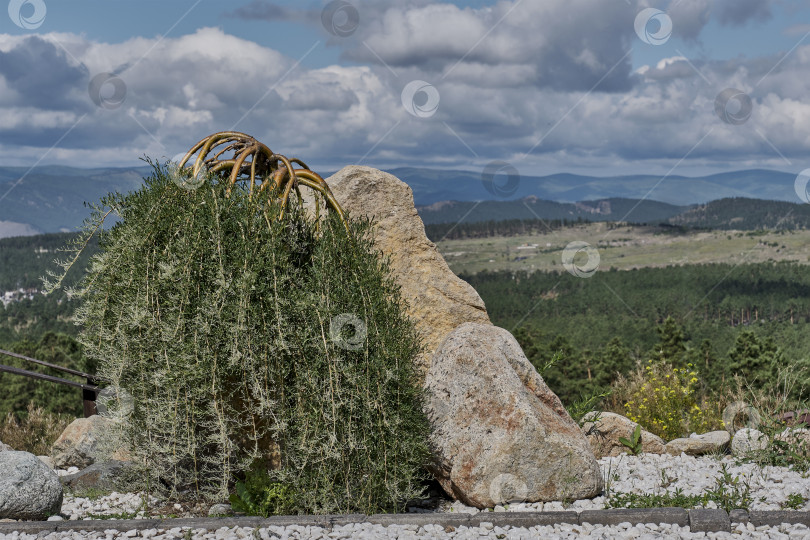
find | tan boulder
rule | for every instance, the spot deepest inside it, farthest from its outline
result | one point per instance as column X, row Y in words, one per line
column 437, row 300
column 81, row 443
column 499, row 434
column 604, row 434
column 699, row 445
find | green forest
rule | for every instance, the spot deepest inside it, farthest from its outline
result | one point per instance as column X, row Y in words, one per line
column 487, row 229
column 726, row 320
column 40, row 328
column 738, row 213
column 24, row 259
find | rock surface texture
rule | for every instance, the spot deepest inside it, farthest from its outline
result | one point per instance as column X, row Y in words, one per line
column 499, row 434
column 102, row 476
column 28, row 488
column 747, row 440
column 698, row 445
column 437, row 300
column 80, row 444
column 604, row 434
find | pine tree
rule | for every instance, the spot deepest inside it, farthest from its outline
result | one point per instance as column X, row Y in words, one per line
column 671, row 342
column 754, row 358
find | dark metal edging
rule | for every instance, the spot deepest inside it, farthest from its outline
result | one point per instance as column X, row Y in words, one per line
column 699, row 520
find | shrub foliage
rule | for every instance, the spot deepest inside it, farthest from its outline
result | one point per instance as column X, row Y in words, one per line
column 244, row 339
column 34, row 431
column 665, row 401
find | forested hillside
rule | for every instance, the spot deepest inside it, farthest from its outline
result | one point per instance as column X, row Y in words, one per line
column 24, row 261
column 745, row 214
column 607, row 323
column 489, row 229
column 533, row 208
column 509, row 218
column 19, row 391
column 726, row 318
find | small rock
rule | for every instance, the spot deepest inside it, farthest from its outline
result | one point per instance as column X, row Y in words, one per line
column 28, row 488
column 46, row 460
column 748, row 440
column 698, row 445
column 604, row 435
column 56, row 518
column 220, row 510
column 102, row 476
column 4, row 447
column 797, row 439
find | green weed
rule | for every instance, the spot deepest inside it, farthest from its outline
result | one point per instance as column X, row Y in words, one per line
column 729, row 493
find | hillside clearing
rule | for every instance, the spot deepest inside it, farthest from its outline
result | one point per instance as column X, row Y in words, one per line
column 625, row 247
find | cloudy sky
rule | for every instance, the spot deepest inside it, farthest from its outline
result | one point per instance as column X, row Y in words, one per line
column 597, row 87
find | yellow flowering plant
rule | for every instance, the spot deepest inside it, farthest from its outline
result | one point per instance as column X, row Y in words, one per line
column 664, row 400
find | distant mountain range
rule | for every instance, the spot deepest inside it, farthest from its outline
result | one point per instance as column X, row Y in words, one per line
column 51, row 198
column 432, row 186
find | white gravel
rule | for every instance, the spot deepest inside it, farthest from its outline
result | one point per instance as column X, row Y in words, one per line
column 486, row 530
column 649, row 473
column 656, row 474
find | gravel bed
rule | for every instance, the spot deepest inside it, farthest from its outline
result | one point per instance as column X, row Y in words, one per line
column 649, row 473
column 656, row 474
column 486, row 530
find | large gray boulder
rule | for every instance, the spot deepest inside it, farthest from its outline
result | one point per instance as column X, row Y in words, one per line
column 436, row 299
column 499, row 434
column 28, row 488
column 604, row 429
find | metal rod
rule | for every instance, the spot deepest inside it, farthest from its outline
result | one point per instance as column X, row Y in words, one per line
column 50, row 378
column 89, row 391
column 87, row 376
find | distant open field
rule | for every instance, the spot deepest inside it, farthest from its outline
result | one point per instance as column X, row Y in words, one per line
column 626, row 247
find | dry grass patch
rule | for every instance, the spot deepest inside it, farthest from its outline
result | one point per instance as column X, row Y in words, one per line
column 34, row 430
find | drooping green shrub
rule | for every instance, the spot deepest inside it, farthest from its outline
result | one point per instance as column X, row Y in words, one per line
column 243, row 339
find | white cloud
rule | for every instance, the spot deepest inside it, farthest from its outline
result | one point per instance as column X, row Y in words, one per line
column 525, row 83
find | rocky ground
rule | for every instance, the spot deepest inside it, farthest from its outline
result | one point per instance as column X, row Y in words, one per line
column 771, row 488
column 486, row 530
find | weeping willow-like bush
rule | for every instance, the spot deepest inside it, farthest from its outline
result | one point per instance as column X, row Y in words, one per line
column 243, row 339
